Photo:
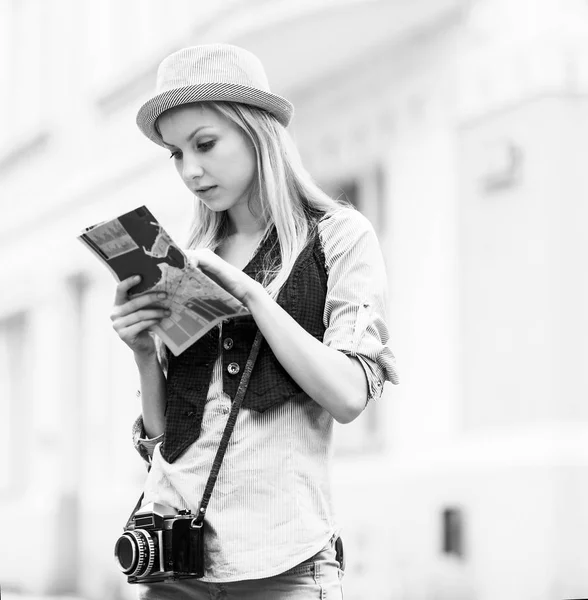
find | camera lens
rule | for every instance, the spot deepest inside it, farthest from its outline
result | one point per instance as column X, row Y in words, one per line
column 135, row 553
column 126, row 553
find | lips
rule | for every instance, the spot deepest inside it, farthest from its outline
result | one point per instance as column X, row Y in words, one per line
column 204, row 189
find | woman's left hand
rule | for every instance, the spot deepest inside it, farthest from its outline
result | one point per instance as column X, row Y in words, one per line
column 232, row 279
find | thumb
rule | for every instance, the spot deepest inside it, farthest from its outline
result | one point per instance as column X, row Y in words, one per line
column 192, row 256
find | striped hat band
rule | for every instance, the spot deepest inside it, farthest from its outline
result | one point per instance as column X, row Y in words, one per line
column 206, row 73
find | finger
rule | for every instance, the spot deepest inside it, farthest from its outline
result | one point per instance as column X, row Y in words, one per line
column 130, row 334
column 201, row 255
column 193, row 257
column 210, row 262
column 220, row 271
column 122, row 289
column 139, row 316
column 152, row 299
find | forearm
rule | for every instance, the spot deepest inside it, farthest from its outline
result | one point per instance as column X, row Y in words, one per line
column 331, row 378
column 153, row 399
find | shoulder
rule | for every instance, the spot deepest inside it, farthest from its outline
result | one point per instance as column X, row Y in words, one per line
column 348, row 240
column 345, row 223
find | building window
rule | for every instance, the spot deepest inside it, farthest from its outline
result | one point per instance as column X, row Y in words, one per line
column 348, row 190
column 452, row 532
column 365, row 192
column 13, row 407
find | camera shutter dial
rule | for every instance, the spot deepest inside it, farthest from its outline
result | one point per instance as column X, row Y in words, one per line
column 150, row 552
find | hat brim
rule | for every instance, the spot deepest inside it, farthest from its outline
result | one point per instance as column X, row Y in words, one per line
column 148, row 114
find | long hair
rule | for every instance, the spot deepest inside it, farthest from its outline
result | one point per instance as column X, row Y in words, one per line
column 289, row 198
column 288, row 195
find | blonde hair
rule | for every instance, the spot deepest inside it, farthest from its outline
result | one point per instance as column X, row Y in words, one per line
column 288, row 195
column 289, row 198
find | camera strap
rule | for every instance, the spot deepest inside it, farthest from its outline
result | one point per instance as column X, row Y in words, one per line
column 222, row 448
column 220, row 453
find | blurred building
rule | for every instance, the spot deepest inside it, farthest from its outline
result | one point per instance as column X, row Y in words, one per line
column 460, row 128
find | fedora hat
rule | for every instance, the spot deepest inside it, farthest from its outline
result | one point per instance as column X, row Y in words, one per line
column 210, row 72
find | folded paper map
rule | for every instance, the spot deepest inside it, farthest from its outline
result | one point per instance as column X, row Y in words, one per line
column 136, row 244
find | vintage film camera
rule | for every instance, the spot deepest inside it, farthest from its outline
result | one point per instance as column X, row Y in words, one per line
column 160, row 544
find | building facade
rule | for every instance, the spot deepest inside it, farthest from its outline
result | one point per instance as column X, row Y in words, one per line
column 460, row 129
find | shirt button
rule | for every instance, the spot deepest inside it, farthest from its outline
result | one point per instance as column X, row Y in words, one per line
column 233, row 368
column 226, row 410
column 228, row 343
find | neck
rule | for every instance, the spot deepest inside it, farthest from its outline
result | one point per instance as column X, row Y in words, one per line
column 244, row 222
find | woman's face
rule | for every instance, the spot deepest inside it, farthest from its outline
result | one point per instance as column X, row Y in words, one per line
column 212, row 155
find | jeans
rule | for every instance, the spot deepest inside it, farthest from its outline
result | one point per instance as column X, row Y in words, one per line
column 318, row 577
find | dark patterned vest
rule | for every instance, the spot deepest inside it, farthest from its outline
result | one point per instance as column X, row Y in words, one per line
column 188, row 378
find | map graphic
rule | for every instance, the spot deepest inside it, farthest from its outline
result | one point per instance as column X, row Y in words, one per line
column 112, row 239
column 136, row 244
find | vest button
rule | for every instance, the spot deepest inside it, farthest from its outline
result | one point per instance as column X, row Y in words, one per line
column 228, row 343
column 233, row 368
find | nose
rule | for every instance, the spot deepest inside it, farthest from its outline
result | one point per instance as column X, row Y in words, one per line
column 191, row 168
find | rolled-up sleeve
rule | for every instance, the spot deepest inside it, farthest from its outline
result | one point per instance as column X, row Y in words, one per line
column 355, row 307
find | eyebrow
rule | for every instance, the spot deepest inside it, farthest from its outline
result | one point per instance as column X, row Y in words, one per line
column 190, row 136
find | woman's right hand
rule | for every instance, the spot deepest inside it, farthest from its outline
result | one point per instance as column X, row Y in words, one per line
column 132, row 318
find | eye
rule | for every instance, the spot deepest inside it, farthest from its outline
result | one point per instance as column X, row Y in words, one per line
column 175, row 155
column 206, row 146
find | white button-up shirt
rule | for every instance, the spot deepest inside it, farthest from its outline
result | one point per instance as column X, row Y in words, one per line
column 271, row 505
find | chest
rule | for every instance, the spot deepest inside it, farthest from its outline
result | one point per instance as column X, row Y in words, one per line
column 238, row 250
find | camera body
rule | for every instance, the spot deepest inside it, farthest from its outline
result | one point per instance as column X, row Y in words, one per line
column 160, row 543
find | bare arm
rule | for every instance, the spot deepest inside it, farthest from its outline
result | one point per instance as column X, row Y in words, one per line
column 131, row 319
column 331, row 378
column 153, row 400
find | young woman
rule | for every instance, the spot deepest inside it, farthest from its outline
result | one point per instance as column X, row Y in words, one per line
column 310, row 271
